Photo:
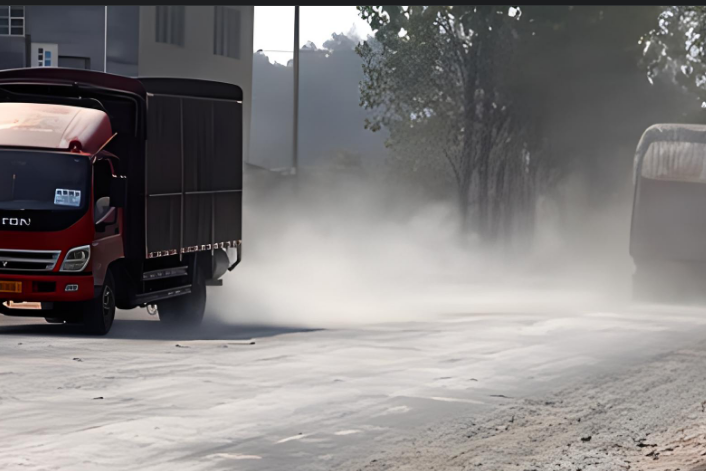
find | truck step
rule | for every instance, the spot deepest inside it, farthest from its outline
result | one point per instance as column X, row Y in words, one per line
column 163, row 273
column 154, row 296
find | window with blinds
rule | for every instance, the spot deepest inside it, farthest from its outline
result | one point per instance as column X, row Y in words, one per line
column 170, row 23
column 226, row 32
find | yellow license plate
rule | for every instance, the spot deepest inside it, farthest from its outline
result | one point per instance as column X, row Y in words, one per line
column 10, row 286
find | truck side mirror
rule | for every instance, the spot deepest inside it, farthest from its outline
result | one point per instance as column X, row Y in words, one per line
column 118, row 191
column 104, row 214
column 108, row 219
column 100, row 209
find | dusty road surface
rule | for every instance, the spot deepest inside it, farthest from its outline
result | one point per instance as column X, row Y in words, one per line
column 608, row 390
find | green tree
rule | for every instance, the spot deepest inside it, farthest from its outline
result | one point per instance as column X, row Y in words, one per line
column 436, row 76
column 675, row 47
column 505, row 102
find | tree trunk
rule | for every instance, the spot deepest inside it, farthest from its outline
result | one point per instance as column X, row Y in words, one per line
column 485, row 136
column 498, row 208
column 465, row 176
column 483, row 194
column 467, row 164
column 464, row 205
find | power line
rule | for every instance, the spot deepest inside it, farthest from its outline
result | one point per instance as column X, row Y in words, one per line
column 291, row 52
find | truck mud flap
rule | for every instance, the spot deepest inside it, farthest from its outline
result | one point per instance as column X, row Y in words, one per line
column 239, row 249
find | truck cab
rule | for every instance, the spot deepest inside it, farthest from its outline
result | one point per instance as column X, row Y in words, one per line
column 115, row 197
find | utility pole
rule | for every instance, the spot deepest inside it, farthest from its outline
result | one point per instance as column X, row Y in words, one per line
column 295, row 128
column 105, row 40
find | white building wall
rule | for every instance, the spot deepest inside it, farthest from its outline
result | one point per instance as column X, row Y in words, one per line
column 196, row 58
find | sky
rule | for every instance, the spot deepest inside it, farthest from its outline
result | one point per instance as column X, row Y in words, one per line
column 274, row 27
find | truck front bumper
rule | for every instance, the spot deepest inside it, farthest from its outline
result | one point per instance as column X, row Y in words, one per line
column 49, row 288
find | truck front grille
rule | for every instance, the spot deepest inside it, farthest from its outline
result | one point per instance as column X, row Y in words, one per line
column 28, row 260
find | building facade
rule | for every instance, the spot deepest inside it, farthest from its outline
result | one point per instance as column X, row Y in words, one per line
column 202, row 42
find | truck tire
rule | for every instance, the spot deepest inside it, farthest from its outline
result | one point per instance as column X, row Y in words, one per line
column 54, row 320
column 186, row 310
column 99, row 312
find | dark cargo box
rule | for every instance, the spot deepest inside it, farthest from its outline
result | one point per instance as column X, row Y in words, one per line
column 193, row 164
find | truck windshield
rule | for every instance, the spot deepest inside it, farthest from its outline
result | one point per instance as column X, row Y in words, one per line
column 42, row 180
column 675, row 161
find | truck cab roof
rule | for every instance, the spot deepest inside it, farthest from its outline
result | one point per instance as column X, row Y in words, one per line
column 53, row 126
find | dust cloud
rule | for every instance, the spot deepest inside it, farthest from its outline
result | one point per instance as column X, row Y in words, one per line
column 332, row 251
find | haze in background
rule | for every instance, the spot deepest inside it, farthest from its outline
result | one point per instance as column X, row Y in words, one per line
column 274, row 27
column 346, row 250
column 355, row 242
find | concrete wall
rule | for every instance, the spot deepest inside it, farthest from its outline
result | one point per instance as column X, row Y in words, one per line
column 123, row 39
column 79, row 30
column 196, row 59
column 14, row 52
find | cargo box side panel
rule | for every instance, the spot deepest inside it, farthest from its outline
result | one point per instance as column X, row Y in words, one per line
column 229, row 146
column 227, row 226
column 228, row 209
column 163, row 167
column 212, row 171
column 194, row 162
column 199, row 145
column 198, row 210
column 164, row 223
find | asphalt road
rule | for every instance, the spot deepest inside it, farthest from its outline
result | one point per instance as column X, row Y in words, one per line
column 252, row 397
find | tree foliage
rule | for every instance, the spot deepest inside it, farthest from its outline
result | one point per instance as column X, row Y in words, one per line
column 676, row 47
column 437, row 78
column 505, row 101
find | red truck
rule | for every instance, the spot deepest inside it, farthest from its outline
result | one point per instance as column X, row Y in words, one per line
column 116, row 192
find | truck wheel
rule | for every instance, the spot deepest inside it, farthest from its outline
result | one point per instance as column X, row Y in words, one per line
column 99, row 312
column 187, row 309
column 54, row 320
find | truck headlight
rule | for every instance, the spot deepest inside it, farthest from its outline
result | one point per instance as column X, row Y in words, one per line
column 77, row 258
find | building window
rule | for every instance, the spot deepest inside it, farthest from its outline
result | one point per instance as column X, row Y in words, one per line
column 226, row 32
column 12, row 20
column 45, row 54
column 169, row 24
column 44, row 58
